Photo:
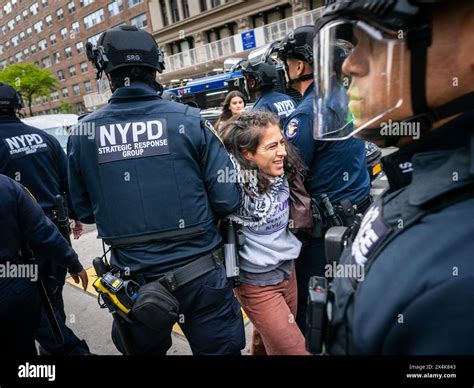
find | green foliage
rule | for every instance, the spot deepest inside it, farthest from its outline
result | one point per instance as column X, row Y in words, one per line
column 65, row 107
column 29, row 80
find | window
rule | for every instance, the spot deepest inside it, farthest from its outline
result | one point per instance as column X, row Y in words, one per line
column 164, row 13
column 64, row 33
column 133, row 3
column 115, row 8
column 19, row 56
column 60, row 14
column 57, row 57
column 43, row 44
column 29, row 32
column 1, row 49
column 140, row 21
column 18, row 19
column 54, row 96
column 60, row 74
column 72, row 71
column 11, row 60
column 49, row 20
column 185, row 5
column 38, row 27
column 174, row 11
column 3, row 64
column 88, row 86
column 34, row 9
column 71, row 7
column 80, row 108
column 65, row 92
column 26, row 52
column 7, row 44
column 22, row 36
column 215, row 3
column 46, row 61
column 52, row 39
column 68, row 52
column 33, row 49
column 7, row 8
column 94, row 18
column 203, row 5
column 76, row 90
column 79, row 47
column 84, row 67
column 75, row 27
column 83, row 3
column 44, row 3
column 25, row 14
column 15, row 41
column 11, row 25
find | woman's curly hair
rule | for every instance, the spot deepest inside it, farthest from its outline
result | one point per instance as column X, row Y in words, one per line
column 245, row 133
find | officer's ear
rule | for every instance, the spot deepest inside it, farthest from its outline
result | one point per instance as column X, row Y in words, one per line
column 301, row 68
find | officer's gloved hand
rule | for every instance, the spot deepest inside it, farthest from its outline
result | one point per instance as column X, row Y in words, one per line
column 77, row 229
column 82, row 276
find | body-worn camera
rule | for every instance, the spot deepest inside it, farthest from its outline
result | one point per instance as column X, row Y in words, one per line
column 233, row 238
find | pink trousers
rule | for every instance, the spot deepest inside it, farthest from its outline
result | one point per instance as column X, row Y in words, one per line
column 272, row 310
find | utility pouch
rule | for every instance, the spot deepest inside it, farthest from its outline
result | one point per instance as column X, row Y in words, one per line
column 156, row 307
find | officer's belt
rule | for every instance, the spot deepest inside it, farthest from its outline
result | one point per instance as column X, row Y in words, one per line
column 172, row 235
column 185, row 274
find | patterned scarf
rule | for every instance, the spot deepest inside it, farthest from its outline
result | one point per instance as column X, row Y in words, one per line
column 255, row 209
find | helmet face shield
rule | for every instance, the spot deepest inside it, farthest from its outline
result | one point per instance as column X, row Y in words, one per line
column 358, row 73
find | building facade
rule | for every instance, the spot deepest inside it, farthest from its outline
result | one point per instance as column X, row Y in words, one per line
column 53, row 35
column 198, row 35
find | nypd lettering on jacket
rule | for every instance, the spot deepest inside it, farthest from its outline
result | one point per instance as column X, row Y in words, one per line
column 24, row 145
column 284, row 108
column 372, row 232
column 130, row 140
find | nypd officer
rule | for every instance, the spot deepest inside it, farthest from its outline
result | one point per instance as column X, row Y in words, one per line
column 36, row 159
column 149, row 179
column 415, row 243
column 261, row 79
column 23, row 221
column 337, row 169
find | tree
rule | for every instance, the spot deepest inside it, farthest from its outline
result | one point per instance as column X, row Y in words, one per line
column 65, row 107
column 30, row 81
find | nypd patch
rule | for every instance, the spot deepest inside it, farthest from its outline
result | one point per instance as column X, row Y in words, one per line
column 292, row 129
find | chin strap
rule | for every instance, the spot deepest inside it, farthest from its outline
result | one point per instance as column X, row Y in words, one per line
column 304, row 77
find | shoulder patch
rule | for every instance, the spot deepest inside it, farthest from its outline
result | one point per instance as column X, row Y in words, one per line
column 292, row 128
column 210, row 127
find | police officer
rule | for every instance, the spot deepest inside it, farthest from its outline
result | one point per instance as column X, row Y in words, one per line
column 37, row 160
column 149, row 180
column 170, row 96
column 22, row 220
column 261, row 79
column 336, row 169
column 415, row 243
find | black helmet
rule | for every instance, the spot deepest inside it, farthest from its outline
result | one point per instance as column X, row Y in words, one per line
column 10, row 98
column 265, row 74
column 298, row 44
column 125, row 46
column 170, row 96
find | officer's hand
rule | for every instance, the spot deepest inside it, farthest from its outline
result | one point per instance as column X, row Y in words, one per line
column 78, row 229
column 83, row 277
